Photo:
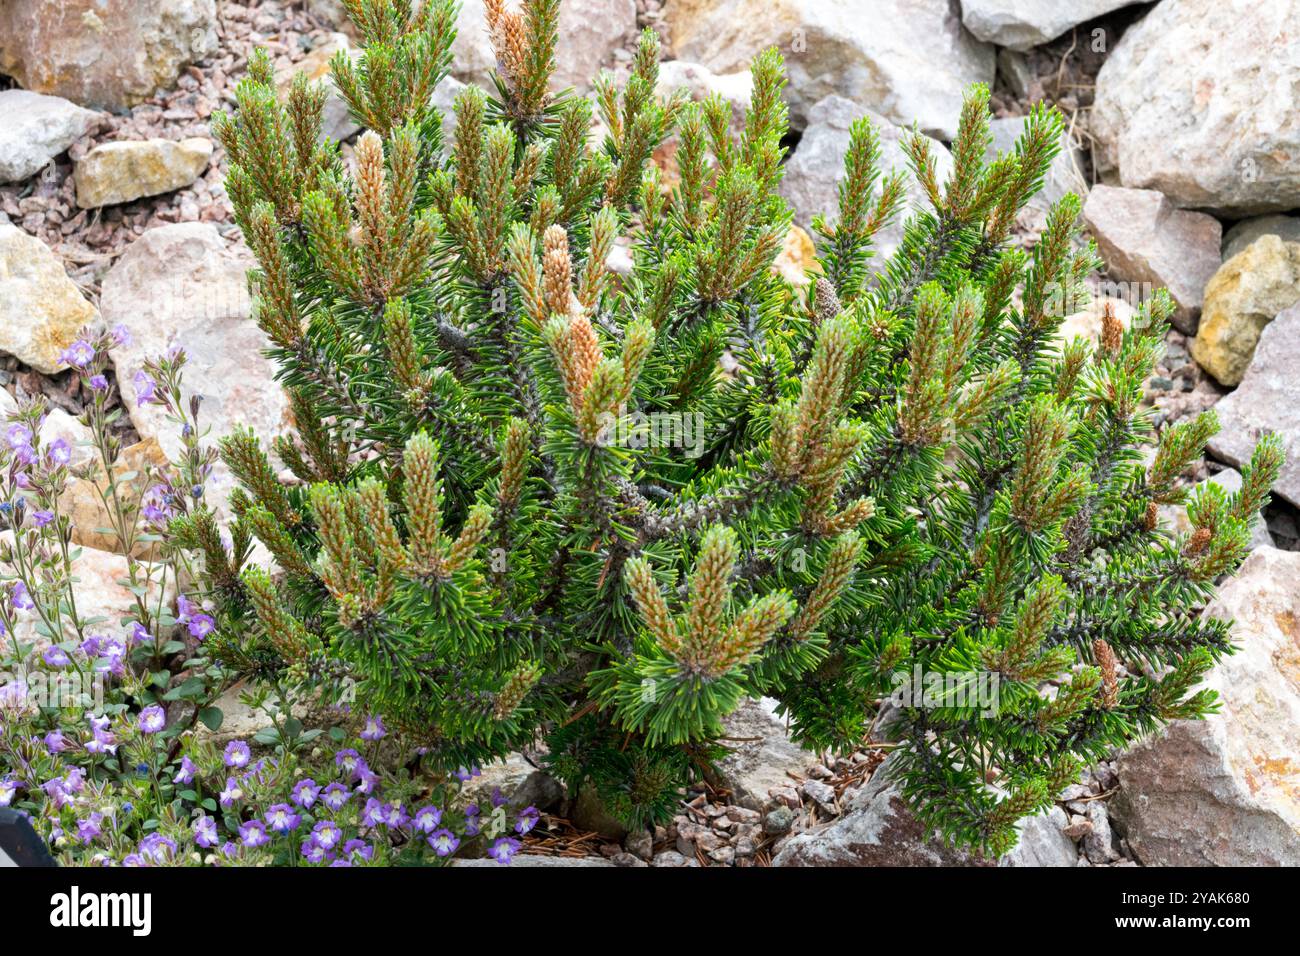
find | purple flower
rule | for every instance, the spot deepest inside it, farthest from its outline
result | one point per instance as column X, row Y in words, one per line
column 504, row 849
column 347, row 760
column 527, row 820
column 121, row 334
column 305, row 792
column 98, row 383
column 8, row 787
column 237, row 754
column 55, row 742
column 335, row 796
column 282, row 819
column 464, row 775
column 368, row 781
column 139, row 633
column 145, row 387
column 133, row 859
column 374, row 729
column 375, row 813
column 231, row 793
column 498, row 798
column 156, row 508
column 103, row 741
column 313, row 852
column 90, row 646
column 79, row 354
column 327, row 834
column 359, row 849
column 56, row 657
column 253, row 834
column 187, row 771
column 205, row 832
column 42, row 517
column 19, row 596
column 89, row 827
column 201, row 626
column 152, row 719
column 158, row 848
column 19, row 436
column 426, row 819
column 444, row 842
column 59, row 452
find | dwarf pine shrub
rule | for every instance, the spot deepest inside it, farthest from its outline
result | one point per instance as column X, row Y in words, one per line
column 538, row 501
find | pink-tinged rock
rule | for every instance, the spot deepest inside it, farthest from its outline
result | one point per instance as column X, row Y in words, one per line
column 1143, row 238
column 1267, row 400
column 1225, row 791
column 106, row 54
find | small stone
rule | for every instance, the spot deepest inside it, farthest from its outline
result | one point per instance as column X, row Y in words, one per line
column 760, row 756
column 1099, row 842
column 119, row 172
column 822, row 793
column 627, row 859
column 668, row 858
column 34, row 129
column 778, row 821
column 640, row 843
column 725, row 855
column 1079, row 827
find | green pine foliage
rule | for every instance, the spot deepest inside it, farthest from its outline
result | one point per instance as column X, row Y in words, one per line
column 531, row 506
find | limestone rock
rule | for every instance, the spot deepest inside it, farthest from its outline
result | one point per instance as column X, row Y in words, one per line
column 909, row 60
column 1243, row 297
column 1225, row 791
column 1200, row 101
column 1241, row 235
column 877, row 829
column 1020, row 25
column 1144, row 239
column 762, row 757
column 34, row 129
column 179, row 286
column 41, row 310
column 814, row 172
column 120, row 172
column 797, row 258
column 107, row 54
column 1268, row 400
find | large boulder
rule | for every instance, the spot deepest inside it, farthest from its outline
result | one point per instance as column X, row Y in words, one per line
column 1225, row 791
column 34, row 129
column 179, row 286
column 1144, row 238
column 1268, row 400
column 1201, row 100
column 1020, row 25
column 41, row 310
column 1240, row 300
column 814, row 172
column 909, row 60
column 120, row 172
column 107, row 54
column 878, row 829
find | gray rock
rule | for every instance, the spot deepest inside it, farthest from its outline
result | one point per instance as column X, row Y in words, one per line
column 668, row 858
column 1145, row 239
column 1099, row 841
column 778, row 821
column 1241, row 235
column 1199, row 100
column 909, row 60
column 755, row 766
column 641, row 844
column 34, row 129
column 1268, row 400
column 1222, row 791
column 1014, row 69
column 877, row 829
column 1021, row 24
column 814, row 172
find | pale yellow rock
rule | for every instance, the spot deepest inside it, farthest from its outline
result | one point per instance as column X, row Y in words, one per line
column 798, row 257
column 83, row 500
column 1246, row 294
column 120, row 172
column 1087, row 324
column 41, row 309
